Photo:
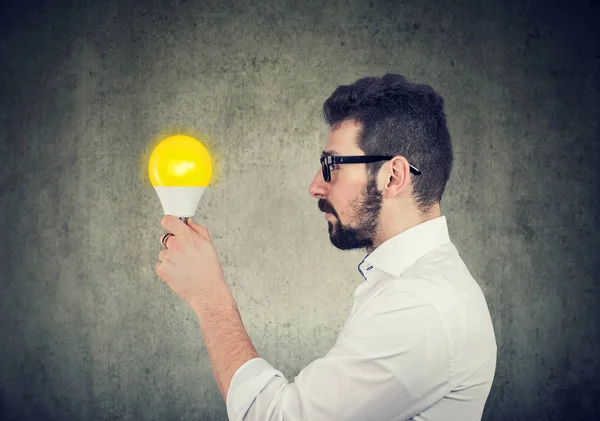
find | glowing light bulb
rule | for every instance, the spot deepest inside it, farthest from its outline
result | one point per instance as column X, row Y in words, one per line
column 180, row 169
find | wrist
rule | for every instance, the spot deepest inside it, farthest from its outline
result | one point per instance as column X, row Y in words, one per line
column 217, row 296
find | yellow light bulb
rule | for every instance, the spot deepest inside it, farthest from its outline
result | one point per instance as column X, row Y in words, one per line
column 180, row 169
column 180, row 161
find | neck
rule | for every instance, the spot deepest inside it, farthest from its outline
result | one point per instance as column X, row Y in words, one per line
column 392, row 225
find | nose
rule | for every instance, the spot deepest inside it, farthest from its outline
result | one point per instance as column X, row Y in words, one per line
column 318, row 187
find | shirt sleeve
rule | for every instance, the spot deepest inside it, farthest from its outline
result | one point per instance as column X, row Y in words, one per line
column 390, row 363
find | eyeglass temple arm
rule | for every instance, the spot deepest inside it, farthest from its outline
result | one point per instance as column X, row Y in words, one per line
column 367, row 159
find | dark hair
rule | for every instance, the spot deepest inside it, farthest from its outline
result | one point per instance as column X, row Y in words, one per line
column 398, row 117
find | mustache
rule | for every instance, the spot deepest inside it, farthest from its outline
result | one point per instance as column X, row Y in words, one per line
column 325, row 207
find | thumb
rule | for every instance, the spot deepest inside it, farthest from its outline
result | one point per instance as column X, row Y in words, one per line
column 203, row 231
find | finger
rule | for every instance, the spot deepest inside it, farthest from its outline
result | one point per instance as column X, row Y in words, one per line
column 203, row 231
column 175, row 225
column 160, row 271
column 164, row 238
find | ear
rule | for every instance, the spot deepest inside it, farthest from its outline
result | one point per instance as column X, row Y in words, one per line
column 397, row 177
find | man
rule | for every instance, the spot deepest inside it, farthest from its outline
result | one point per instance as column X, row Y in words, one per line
column 419, row 342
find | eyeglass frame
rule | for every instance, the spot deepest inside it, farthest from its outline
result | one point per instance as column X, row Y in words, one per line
column 328, row 160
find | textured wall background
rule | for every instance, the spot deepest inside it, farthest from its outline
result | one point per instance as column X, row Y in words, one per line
column 89, row 332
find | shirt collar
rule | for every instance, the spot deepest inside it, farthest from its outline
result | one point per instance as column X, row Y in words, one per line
column 396, row 254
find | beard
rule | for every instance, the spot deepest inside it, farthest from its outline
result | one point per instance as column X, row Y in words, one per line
column 367, row 210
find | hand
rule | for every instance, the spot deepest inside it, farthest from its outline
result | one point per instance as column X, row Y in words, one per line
column 190, row 265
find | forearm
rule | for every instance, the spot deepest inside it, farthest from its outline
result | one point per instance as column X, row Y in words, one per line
column 226, row 339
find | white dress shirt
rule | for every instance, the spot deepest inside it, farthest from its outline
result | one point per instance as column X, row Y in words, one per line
column 418, row 345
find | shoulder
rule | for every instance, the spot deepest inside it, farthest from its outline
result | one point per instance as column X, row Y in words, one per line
column 396, row 315
column 403, row 332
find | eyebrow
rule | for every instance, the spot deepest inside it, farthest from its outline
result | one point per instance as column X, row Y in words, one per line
column 330, row 153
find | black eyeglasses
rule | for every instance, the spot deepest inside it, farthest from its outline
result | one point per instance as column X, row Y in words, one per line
column 328, row 160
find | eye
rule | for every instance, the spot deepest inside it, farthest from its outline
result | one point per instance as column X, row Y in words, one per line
column 335, row 166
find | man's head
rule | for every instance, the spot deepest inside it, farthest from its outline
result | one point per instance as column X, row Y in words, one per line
column 388, row 116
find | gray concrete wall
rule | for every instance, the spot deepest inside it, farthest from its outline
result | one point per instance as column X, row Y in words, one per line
column 89, row 332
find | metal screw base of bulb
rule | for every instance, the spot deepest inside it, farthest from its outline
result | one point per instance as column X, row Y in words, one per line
column 185, row 219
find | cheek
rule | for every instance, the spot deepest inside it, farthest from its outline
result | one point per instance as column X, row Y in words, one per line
column 352, row 207
column 345, row 199
column 343, row 209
